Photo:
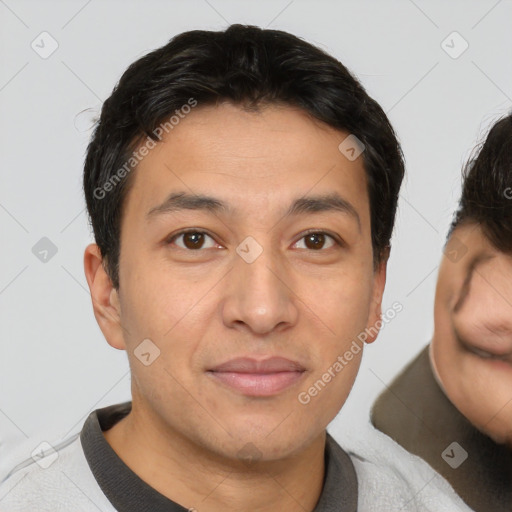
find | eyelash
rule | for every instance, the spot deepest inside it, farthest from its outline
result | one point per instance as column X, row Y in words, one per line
column 332, row 236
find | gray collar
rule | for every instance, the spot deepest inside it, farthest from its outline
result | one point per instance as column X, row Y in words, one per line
column 129, row 493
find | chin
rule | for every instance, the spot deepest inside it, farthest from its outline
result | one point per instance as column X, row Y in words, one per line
column 258, row 449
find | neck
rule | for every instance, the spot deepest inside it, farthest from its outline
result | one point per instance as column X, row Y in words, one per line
column 195, row 477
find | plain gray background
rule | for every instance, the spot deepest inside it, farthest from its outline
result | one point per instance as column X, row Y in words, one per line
column 55, row 366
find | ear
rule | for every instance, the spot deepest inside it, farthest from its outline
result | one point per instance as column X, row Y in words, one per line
column 379, row 283
column 105, row 298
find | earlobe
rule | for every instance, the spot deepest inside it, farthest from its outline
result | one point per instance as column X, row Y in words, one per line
column 105, row 298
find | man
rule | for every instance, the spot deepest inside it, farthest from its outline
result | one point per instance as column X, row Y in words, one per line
column 452, row 405
column 242, row 189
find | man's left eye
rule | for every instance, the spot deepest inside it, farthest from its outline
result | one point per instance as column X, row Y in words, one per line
column 316, row 241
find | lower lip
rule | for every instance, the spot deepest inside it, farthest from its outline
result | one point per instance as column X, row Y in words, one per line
column 258, row 384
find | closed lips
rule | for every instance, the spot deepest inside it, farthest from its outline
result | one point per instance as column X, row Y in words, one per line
column 250, row 365
column 258, row 378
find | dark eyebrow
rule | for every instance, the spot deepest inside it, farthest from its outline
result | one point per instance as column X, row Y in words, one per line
column 312, row 204
column 323, row 203
column 464, row 292
column 184, row 201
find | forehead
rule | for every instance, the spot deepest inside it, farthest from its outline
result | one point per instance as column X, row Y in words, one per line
column 252, row 161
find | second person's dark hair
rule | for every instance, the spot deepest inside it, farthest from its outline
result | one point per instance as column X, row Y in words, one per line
column 487, row 187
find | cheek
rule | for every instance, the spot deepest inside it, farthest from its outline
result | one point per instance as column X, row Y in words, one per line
column 325, row 393
column 447, row 354
column 451, row 363
column 157, row 300
column 480, row 392
column 342, row 304
column 346, row 296
column 485, row 400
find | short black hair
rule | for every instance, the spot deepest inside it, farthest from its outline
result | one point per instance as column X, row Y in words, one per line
column 247, row 66
column 486, row 197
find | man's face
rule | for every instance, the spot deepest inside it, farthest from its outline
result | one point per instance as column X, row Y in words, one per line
column 246, row 281
column 472, row 344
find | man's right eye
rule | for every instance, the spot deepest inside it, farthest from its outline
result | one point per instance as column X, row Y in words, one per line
column 191, row 239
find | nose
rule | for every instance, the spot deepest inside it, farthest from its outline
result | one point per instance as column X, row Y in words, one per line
column 485, row 318
column 259, row 296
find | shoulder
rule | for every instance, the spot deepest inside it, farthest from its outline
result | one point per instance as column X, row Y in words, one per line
column 390, row 478
column 53, row 479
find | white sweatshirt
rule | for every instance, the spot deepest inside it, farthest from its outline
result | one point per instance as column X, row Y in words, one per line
column 71, row 479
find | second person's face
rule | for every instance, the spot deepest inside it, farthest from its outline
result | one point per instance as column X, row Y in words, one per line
column 472, row 343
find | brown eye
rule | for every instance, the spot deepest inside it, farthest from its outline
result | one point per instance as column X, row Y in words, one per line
column 192, row 240
column 317, row 240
